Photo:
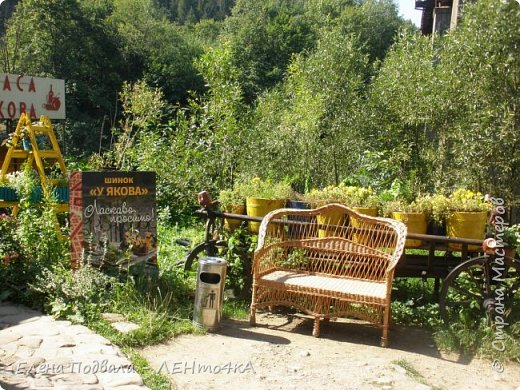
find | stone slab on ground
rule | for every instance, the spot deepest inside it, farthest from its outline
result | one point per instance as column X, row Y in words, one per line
column 281, row 353
column 124, row 326
column 37, row 352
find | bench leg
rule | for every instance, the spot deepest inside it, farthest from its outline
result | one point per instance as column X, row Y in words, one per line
column 252, row 316
column 252, row 313
column 384, row 339
column 386, row 323
column 316, row 329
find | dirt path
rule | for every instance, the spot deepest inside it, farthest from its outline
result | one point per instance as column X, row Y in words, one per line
column 280, row 353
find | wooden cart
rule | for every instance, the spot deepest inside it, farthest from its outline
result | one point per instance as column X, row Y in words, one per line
column 471, row 285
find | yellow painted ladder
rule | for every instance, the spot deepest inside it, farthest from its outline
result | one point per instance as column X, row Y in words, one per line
column 32, row 130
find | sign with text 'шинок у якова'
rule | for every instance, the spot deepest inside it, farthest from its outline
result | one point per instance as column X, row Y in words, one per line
column 35, row 96
column 113, row 217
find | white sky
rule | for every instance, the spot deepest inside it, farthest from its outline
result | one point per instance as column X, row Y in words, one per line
column 408, row 11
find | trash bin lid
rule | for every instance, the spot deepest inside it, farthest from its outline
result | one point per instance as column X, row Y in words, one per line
column 212, row 260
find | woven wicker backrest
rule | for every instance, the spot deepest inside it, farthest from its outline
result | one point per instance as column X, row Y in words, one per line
column 332, row 240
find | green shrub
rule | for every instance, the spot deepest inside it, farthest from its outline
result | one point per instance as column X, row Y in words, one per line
column 229, row 198
column 78, row 296
column 239, row 253
column 348, row 195
column 479, row 341
column 9, row 247
column 414, row 303
column 258, row 188
column 30, row 244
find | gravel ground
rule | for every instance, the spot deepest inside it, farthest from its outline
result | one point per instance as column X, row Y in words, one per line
column 280, row 353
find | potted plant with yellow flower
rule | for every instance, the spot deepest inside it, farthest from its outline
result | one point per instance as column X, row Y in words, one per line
column 262, row 197
column 413, row 214
column 231, row 201
column 360, row 199
column 465, row 213
column 330, row 194
column 363, row 200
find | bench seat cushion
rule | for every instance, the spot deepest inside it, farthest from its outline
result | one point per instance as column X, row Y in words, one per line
column 361, row 291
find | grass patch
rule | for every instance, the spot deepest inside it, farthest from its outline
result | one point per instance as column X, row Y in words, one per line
column 161, row 308
column 479, row 342
column 151, row 378
column 414, row 302
column 236, row 309
column 171, row 254
column 412, row 372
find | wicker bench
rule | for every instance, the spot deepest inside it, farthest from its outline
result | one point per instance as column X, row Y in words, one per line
column 329, row 262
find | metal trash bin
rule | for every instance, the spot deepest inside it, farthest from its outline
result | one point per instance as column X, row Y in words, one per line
column 209, row 293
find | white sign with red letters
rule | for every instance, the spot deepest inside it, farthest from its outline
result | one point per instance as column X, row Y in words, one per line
column 34, row 95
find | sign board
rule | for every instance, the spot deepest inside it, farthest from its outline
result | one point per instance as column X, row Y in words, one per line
column 34, row 95
column 113, row 218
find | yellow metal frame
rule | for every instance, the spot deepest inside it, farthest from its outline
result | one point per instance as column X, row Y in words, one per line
column 35, row 156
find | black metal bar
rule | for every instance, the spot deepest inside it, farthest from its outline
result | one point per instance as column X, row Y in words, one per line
column 444, row 239
column 206, row 213
column 464, row 252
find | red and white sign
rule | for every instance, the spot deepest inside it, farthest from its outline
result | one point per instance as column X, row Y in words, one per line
column 34, row 95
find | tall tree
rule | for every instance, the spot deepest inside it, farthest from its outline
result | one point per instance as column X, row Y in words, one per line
column 56, row 38
column 482, row 77
column 449, row 109
column 306, row 127
column 401, row 114
column 155, row 49
column 262, row 37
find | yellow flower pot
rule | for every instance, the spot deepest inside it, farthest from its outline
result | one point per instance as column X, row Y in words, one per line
column 259, row 207
column 371, row 212
column 415, row 223
column 467, row 225
column 328, row 218
column 232, row 224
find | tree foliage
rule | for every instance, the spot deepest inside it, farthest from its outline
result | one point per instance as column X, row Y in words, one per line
column 192, row 11
column 450, row 109
column 314, row 92
column 262, row 37
column 313, row 118
column 313, row 124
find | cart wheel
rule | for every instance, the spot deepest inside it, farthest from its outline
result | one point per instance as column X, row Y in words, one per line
column 470, row 290
column 211, row 248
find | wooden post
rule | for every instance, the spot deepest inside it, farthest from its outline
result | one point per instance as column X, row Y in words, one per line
column 454, row 14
